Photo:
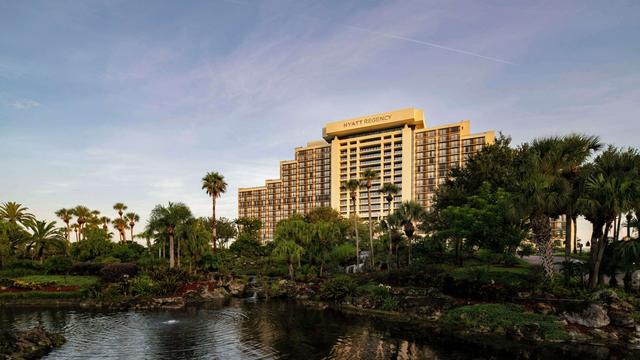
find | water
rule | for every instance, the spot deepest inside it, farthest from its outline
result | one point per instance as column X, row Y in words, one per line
column 236, row 330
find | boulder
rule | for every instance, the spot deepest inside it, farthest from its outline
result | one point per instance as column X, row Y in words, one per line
column 236, row 287
column 593, row 316
column 621, row 318
column 175, row 302
column 606, row 296
column 543, row 308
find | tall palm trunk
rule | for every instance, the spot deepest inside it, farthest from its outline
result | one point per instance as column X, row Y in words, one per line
column 178, row 255
column 599, row 241
column 171, row 255
column 574, row 219
column 290, row 266
column 131, row 232
column 373, row 261
column 567, row 235
column 355, row 228
column 390, row 242
column 213, row 223
column 409, row 239
column 541, row 225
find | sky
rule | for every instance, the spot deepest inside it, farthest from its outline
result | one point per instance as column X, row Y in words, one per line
column 134, row 101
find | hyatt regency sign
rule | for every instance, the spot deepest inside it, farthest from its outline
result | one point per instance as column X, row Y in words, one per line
column 366, row 121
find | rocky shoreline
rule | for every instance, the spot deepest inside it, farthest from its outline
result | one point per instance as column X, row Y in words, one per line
column 600, row 327
column 30, row 344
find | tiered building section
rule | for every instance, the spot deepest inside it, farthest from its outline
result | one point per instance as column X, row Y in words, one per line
column 396, row 144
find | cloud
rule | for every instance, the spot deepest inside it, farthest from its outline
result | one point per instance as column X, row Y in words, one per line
column 22, row 104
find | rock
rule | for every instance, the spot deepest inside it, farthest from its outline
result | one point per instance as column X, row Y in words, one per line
column 236, row 287
column 31, row 344
column 176, row 302
column 604, row 335
column 209, row 293
column 531, row 332
column 621, row 318
column 593, row 316
column 577, row 336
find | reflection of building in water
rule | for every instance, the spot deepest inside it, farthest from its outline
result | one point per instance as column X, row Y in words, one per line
column 398, row 145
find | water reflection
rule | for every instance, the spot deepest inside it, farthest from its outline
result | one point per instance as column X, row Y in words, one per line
column 237, row 330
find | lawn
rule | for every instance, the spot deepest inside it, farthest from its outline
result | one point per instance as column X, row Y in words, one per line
column 62, row 280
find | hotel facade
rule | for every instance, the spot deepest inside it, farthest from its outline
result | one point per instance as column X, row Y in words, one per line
column 398, row 145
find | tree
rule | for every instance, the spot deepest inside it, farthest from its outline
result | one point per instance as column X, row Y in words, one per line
column 577, row 149
column 82, row 213
column 322, row 213
column 289, row 236
column 352, row 187
column 104, row 220
column 214, row 185
column 120, row 208
column 390, row 190
column 121, row 225
column 195, row 236
column 411, row 215
column 611, row 187
column 16, row 214
column 45, row 239
column 132, row 218
column 166, row 218
column 248, row 227
column 65, row 215
column 326, row 234
column 97, row 243
column 226, row 230
column 368, row 176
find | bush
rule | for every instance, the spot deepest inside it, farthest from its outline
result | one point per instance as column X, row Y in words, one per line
column 169, row 280
column 115, row 272
column 143, row 285
column 86, row 268
column 128, row 252
column 338, row 288
column 58, row 265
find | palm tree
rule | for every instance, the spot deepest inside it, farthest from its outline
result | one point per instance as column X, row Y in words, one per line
column 213, row 183
column 544, row 191
column 45, row 238
column 289, row 236
column 390, row 190
column 75, row 228
column 612, row 184
column 65, row 215
column 133, row 218
column 120, row 208
column 165, row 219
column 352, row 187
column 121, row 225
column 628, row 254
column 577, row 149
column 392, row 223
column 104, row 220
column 83, row 214
column 15, row 213
column 367, row 180
column 411, row 214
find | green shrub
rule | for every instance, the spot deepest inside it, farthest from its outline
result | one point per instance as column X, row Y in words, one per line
column 169, row 280
column 143, row 285
column 114, row 272
column 499, row 317
column 58, row 265
column 86, row 268
column 338, row 288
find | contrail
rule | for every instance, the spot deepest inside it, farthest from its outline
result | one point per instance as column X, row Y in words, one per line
column 397, row 37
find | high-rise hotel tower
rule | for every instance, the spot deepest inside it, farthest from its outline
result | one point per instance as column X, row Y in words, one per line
column 397, row 144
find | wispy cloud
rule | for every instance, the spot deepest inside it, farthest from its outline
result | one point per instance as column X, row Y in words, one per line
column 22, row 104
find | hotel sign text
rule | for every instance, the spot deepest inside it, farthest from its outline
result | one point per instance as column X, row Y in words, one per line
column 366, row 121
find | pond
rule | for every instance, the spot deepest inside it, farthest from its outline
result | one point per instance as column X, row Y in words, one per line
column 235, row 330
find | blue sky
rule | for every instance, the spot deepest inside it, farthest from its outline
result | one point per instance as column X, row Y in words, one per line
column 134, row 101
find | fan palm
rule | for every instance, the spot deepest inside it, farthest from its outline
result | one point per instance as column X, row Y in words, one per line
column 132, row 218
column 120, row 208
column 411, row 214
column 368, row 176
column 83, row 214
column 390, row 190
column 45, row 238
column 65, row 215
column 120, row 225
column 165, row 219
column 214, row 185
column 611, row 186
column 104, row 220
column 352, row 186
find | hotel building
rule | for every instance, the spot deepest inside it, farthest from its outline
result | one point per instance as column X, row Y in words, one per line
column 397, row 144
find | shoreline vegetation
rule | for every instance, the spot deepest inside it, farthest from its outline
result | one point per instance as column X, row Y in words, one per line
column 456, row 268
